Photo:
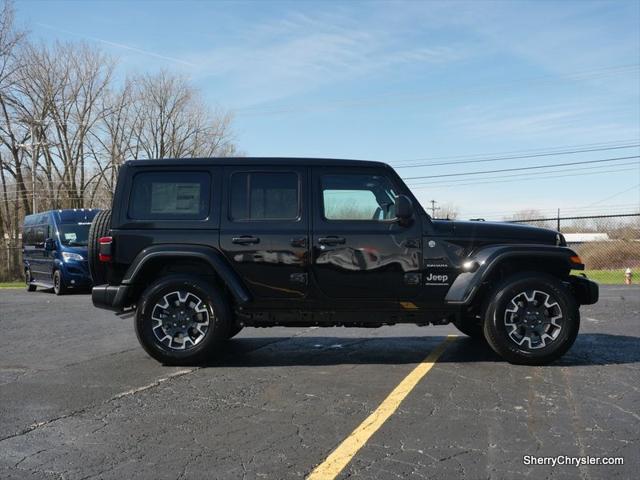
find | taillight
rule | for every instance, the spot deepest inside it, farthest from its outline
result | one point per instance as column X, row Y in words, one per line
column 104, row 249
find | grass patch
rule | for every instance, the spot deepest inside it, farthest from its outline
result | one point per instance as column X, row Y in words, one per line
column 609, row 277
column 11, row 284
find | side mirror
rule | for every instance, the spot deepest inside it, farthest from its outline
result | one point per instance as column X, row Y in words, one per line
column 404, row 208
column 49, row 244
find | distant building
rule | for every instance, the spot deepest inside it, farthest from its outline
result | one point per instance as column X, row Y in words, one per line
column 586, row 237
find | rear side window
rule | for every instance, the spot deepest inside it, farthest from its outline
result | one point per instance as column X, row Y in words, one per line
column 170, row 196
column 264, row 196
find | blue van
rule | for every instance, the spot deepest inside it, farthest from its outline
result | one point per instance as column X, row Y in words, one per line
column 54, row 249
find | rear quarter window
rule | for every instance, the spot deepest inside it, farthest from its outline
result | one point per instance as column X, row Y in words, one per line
column 170, row 195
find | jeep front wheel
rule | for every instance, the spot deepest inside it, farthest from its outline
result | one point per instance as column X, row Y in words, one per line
column 471, row 327
column 181, row 320
column 532, row 319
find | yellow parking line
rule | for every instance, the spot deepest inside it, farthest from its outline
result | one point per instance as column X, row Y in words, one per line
column 341, row 456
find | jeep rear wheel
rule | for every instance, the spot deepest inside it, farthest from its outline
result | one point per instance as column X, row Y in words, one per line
column 100, row 227
column 532, row 320
column 181, row 320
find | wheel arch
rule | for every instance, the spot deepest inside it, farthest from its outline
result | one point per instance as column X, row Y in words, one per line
column 195, row 260
column 496, row 263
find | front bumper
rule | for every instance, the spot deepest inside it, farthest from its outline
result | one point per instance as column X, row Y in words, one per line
column 75, row 274
column 586, row 291
column 109, row 297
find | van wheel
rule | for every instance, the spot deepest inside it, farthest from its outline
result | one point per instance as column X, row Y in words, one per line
column 532, row 320
column 100, row 227
column 182, row 320
column 58, row 283
column 27, row 279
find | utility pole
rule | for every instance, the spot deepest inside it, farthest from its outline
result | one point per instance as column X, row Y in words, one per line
column 433, row 208
column 34, row 161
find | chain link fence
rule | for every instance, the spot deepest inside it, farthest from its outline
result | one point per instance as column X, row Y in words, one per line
column 10, row 264
column 609, row 245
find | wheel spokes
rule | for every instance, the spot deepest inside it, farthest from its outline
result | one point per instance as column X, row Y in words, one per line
column 533, row 318
column 180, row 320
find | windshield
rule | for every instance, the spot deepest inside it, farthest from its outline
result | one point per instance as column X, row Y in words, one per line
column 74, row 234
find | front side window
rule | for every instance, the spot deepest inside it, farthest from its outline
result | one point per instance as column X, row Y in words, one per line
column 358, row 197
column 170, row 196
column 264, row 196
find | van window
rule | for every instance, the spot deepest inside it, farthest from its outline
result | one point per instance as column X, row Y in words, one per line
column 74, row 234
column 170, row 196
column 264, row 196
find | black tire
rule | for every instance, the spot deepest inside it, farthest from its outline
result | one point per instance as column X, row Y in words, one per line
column 505, row 319
column 217, row 310
column 471, row 327
column 234, row 330
column 27, row 278
column 99, row 228
column 59, row 287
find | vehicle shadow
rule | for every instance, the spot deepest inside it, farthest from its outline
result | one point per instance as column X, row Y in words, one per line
column 589, row 349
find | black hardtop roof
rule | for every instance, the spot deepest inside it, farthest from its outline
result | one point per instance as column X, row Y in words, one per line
column 275, row 161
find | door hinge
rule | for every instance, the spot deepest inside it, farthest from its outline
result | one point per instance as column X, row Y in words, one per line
column 299, row 278
column 412, row 278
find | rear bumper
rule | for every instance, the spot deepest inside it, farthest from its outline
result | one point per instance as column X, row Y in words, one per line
column 109, row 297
column 586, row 291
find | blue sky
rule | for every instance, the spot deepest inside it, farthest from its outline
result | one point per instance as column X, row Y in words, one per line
column 402, row 82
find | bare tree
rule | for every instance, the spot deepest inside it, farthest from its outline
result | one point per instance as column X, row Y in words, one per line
column 449, row 210
column 66, row 126
column 172, row 120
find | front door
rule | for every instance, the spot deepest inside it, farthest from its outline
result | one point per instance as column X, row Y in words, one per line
column 360, row 250
column 265, row 228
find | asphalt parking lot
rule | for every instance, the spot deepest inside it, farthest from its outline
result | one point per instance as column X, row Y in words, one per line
column 80, row 399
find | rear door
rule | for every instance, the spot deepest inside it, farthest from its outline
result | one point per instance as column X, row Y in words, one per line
column 360, row 250
column 265, row 229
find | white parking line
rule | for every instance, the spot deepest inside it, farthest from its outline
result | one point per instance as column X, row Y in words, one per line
column 133, row 391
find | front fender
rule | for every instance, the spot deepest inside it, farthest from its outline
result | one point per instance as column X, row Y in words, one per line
column 483, row 262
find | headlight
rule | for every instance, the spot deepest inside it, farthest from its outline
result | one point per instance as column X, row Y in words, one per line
column 72, row 256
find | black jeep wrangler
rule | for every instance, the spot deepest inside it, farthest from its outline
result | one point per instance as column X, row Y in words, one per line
column 201, row 248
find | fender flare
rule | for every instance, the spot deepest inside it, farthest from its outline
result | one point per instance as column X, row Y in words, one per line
column 486, row 260
column 209, row 255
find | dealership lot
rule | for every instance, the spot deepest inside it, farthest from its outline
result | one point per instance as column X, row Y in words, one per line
column 80, row 399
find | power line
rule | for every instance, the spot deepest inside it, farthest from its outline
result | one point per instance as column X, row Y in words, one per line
column 517, row 157
column 614, row 195
column 472, row 156
column 525, row 179
column 529, row 175
column 535, row 167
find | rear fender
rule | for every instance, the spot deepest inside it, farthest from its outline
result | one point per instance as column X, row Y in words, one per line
column 208, row 255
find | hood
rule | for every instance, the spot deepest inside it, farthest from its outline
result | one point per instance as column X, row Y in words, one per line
column 485, row 232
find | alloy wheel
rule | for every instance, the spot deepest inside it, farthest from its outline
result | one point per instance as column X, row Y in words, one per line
column 533, row 319
column 181, row 320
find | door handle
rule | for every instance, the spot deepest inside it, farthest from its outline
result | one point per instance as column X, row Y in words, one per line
column 245, row 240
column 332, row 240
